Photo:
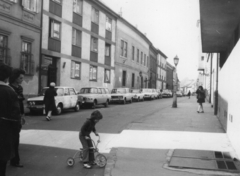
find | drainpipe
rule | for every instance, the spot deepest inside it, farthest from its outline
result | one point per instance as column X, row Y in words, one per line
column 40, row 50
column 210, row 93
column 216, row 92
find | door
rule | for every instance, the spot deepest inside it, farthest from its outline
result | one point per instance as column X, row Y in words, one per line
column 73, row 97
column 66, row 98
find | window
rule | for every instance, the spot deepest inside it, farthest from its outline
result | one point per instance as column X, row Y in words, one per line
column 76, row 37
column 3, row 49
column 93, row 73
column 72, row 92
column 107, row 76
column 108, row 24
column 26, row 60
column 141, row 57
column 58, row 1
column 94, row 44
column 75, row 70
column 99, row 91
column 13, row 1
column 133, row 52
column 54, row 29
column 137, row 55
column 123, row 48
column 144, row 59
column 133, row 79
column 30, row 5
column 107, row 50
column 124, row 77
column 103, row 91
column 95, row 16
column 66, row 91
column 77, row 6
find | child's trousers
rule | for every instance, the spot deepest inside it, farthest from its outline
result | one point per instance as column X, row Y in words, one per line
column 88, row 157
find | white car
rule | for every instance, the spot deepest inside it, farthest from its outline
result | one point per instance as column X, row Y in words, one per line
column 137, row 95
column 66, row 98
column 148, row 94
column 94, row 96
column 155, row 93
column 122, row 95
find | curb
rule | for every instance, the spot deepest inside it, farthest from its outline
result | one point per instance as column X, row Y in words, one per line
column 111, row 160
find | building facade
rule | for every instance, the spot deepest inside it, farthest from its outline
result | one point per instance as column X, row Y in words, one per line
column 132, row 58
column 78, row 44
column 20, row 30
column 152, row 83
column 161, row 70
column 169, row 80
column 223, row 52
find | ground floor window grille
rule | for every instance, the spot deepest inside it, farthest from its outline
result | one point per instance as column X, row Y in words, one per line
column 107, row 76
column 93, row 73
column 76, row 70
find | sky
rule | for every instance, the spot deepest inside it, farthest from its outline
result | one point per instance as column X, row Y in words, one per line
column 171, row 25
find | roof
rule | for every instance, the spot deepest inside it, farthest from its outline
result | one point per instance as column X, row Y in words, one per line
column 219, row 19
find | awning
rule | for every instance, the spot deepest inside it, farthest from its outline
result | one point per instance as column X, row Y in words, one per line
column 219, row 18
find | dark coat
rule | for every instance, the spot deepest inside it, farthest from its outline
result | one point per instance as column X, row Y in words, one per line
column 49, row 99
column 87, row 128
column 10, row 121
column 19, row 91
column 200, row 96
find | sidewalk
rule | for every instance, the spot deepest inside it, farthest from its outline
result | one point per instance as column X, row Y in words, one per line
column 145, row 147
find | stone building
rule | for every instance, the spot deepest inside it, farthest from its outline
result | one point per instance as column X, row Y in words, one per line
column 169, row 81
column 78, row 44
column 20, row 30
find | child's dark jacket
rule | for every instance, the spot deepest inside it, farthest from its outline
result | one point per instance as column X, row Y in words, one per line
column 88, row 127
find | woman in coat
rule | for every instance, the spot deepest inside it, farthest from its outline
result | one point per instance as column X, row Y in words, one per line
column 49, row 101
column 200, row 98
column 10, row 118
column 15, row 82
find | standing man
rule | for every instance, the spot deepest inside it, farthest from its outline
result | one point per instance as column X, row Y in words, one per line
column 15, row 82
column 189, row 94
column 10, row 118
column 49, row 100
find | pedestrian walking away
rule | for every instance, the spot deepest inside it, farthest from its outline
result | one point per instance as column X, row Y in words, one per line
column 189, row 94
column 200, row 98
column 15, row 81
column 49, row 101
column 10, row 118
column 85, row 139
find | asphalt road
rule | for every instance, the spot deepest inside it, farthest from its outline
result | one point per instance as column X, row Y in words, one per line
column 51, row 161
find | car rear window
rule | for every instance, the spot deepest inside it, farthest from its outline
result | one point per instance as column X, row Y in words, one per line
column 118, row 91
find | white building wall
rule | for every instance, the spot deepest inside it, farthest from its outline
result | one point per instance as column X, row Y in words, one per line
column 229, row 85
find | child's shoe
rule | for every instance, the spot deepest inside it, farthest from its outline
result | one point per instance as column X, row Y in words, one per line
column 87, row 166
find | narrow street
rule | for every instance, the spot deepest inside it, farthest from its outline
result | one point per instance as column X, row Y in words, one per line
column 45, row 146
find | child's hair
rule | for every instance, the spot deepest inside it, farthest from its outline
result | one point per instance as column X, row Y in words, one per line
column 96, row 115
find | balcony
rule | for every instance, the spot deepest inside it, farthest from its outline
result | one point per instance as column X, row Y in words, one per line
column 76, row 51
column 108, row 60
column 94, row 28
column 55, row 8
column 54, row 45
column 93, row 56
column 77, row 19
column 108, row 35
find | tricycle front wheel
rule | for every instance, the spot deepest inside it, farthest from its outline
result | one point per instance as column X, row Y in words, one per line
column 70, row 161
column 101, row 160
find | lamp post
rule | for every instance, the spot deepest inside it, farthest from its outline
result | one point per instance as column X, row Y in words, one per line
column 174, row 105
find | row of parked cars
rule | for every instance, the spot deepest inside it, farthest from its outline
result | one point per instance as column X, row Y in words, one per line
column 69, row 98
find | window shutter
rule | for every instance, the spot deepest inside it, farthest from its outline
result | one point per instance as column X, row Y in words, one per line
column 23, row 3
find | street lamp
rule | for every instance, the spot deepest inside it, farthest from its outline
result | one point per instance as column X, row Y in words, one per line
column 174, row 105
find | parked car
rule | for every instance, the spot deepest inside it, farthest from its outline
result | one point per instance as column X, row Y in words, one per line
column 166, row 93
column 148, row 94
column 155, row 93
column 179, row 94
column 159, row 93
column 137, row 95
column 67, row 98
column 121, row 95
column 94, row 96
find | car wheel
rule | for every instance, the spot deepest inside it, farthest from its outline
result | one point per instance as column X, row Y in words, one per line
column 59, row 109
column 77, row 107
column 94, row 104
column 106, row 104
